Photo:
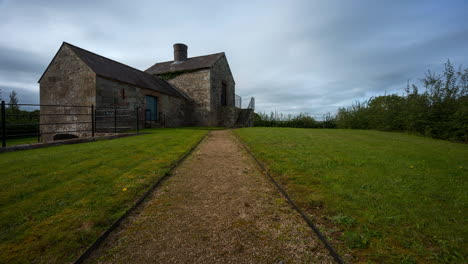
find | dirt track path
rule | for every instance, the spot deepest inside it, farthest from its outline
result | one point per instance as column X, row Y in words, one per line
column 216, row 208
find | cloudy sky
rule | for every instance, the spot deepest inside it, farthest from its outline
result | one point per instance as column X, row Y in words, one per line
column 292, row 56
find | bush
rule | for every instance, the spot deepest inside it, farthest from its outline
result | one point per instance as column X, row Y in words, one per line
column 441, row 111
column 21, row 122
column 281, row 120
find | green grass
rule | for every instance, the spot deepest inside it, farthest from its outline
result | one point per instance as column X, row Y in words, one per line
column 396, row 198
column 21, row 141
column 54, row 202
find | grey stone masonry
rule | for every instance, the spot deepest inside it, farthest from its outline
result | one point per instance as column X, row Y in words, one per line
column 221, row 75
column 204, row 87
column 197, row 86
column 67, row 81
column 228, row 116
column 172, row 111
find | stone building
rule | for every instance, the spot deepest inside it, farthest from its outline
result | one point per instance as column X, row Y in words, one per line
column 197, row 91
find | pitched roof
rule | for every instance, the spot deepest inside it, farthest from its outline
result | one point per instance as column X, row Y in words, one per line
column 108, row 68
column 194, row 63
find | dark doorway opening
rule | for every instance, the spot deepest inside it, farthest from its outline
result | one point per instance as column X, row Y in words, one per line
column 64, row 136
column 223, row 94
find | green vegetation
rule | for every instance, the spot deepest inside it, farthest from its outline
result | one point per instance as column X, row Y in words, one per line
column 21, row 141
column 19, row 122
column 54, row 202
column 301, row 120
column 441, row 111
column 395, row 198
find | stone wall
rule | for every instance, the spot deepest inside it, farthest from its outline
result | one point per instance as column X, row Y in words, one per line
column 197, row 86
column 221, row 73
column 204, row 87
column 67, row 81
column 172, row 111
column 246, row 118
column 228, row 116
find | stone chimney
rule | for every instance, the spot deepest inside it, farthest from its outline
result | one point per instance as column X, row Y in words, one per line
column 180, row 52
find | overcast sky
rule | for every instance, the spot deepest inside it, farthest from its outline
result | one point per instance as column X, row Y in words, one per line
column 292, row 56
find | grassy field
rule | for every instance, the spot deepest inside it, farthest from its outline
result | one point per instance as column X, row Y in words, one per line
column 54, row 202
column 387, row 197
column 21, row 141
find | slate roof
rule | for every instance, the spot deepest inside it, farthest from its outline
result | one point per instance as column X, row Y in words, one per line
column 194, row 63
column 111, row 69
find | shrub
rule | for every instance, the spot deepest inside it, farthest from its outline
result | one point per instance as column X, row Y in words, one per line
column 441, row 111
column 280, row 120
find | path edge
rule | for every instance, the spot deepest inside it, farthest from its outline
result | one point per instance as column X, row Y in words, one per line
column 140, row 200
column 338, row 259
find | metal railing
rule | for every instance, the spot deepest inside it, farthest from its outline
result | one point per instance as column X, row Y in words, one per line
column 238, row 102
column 63, row 121
column 251, row 104
column 116, row 119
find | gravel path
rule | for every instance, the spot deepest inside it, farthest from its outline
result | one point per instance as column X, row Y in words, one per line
column 216, row 208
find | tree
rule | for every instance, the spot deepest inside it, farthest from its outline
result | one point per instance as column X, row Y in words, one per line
column 328, row 121
column 13, row 103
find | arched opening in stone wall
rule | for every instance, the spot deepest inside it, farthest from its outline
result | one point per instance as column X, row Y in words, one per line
column 64, row 136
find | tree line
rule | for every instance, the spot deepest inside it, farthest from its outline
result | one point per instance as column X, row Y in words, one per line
column 275, row 119
column 438, row 110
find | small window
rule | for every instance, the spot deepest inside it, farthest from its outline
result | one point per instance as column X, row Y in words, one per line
column 223, row 94
column 122, row 94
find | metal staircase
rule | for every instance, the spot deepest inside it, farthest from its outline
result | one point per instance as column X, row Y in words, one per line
column 246, row 116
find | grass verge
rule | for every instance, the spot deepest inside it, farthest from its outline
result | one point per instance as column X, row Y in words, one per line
column 21, row 141
column 390, row 197
column 54, row 202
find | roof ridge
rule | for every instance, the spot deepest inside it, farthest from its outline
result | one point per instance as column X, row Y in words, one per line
column 218, row 53
column 123, row 64
column 84, row 55
column 152, row 76
column 198, row 62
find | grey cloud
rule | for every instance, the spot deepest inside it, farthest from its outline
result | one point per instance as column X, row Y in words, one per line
column 14, row 60
column 25, row 96
column 293, row 56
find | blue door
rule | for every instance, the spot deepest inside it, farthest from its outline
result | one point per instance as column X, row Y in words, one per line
column 151, row 108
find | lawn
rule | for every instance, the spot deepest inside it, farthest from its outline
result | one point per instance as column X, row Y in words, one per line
column 21, row 141
column 386, row 197
column 54, row 202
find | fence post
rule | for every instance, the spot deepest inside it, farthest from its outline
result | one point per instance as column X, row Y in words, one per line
column 115, row 119
column 138, row 119
column 39, row 126
column 3, row 125
column 92, row 120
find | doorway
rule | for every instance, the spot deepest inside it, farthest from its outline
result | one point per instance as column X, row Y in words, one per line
column 151, row 111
